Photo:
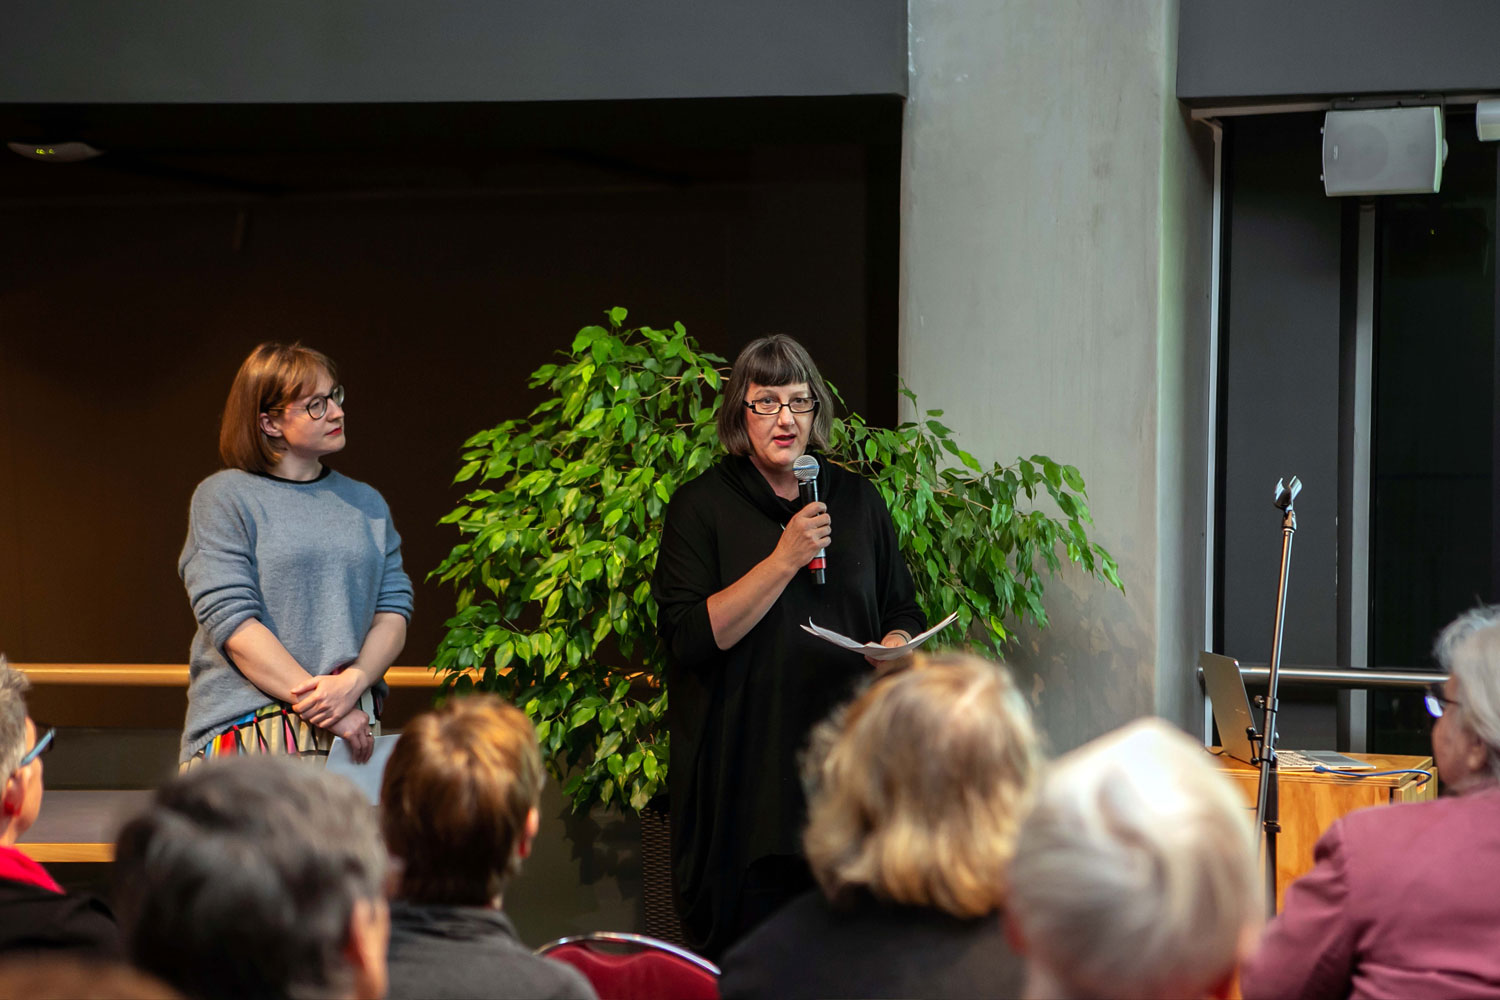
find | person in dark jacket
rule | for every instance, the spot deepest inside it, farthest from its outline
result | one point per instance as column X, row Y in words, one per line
column 35, row 913
column 747, row 682
column 917, row 791
column 458, row 806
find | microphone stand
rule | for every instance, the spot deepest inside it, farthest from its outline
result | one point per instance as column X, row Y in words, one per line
column 1267, row 808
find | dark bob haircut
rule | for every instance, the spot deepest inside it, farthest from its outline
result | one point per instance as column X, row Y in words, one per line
column 771, row 361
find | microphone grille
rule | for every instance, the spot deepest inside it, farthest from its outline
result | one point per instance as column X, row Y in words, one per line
column 805, row 469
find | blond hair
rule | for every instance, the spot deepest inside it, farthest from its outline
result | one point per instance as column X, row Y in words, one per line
column 920, row 786
column 1135, row 875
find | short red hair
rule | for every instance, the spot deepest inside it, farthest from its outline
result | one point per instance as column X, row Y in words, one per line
column 455, row 799
column 273, row 376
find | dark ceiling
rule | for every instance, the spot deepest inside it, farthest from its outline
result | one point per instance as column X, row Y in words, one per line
column 254, row 152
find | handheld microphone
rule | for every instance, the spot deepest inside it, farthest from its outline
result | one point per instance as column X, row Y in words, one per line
column 805, row 469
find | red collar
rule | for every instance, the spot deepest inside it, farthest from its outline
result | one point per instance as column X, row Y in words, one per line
column 17, row 867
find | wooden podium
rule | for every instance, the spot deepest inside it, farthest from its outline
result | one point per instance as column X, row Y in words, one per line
column 1311, row 801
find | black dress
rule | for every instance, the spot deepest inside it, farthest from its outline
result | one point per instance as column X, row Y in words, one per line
column 740, row 717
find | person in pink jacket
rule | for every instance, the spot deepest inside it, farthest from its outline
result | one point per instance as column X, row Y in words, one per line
column 1404, row 900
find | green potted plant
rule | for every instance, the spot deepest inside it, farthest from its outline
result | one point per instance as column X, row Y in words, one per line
column 559, row 533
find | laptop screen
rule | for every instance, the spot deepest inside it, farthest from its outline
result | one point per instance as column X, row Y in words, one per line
column 1226, row 692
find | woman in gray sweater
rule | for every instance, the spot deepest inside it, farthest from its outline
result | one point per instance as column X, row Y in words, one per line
column 293, row 571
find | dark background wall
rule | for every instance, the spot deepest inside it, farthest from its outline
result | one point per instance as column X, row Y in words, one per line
column 438, row 195
column 133, row 285
column 1229, row 49
column 355, row 51
column 1289, row 385
column 1280, row 357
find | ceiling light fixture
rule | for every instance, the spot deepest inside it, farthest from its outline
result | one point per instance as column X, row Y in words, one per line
column 54, row 152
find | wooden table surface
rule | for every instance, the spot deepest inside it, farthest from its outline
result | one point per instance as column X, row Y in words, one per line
column 1311, row 801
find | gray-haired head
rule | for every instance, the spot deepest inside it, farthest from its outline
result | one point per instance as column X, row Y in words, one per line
column 1135, row 874
column 242, row 877
column 1460, row 628
column 1468, row 648
column 13, row 686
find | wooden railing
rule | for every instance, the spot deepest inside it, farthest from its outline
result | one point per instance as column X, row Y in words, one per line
column 171, row 675
column 77, row 825
column 154, row 695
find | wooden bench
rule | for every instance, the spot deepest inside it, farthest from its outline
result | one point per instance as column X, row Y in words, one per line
column 80, row 826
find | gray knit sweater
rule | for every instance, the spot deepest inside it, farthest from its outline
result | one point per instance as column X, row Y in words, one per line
column 312, row 561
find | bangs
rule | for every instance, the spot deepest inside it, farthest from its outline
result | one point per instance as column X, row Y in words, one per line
column 295, row 377
column 777, row 366
column 779, row 363
column 272, row 377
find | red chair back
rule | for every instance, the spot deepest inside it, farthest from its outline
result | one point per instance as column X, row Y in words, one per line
column 651, row 970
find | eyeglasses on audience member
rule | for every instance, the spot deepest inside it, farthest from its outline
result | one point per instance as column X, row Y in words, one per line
column 42, row 745
column 1434, row 699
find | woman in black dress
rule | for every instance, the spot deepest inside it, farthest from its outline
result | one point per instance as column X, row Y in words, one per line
column 747, row 682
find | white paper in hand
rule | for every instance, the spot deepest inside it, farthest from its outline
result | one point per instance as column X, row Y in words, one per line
column 366, row 776
column 875, row 650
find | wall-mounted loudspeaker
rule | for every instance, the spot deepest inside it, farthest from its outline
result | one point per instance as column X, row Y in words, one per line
column 1383, row 151
column 1487, row 119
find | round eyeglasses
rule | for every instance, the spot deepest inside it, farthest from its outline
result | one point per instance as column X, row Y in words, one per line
column 318, row 405
column 1434, row 699
column 769, row 407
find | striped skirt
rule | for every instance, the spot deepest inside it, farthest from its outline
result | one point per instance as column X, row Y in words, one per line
column 274, row 728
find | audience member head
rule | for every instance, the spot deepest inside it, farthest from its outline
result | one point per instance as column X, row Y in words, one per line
column 918, row 786
column 458, row 805
column 67, row 977
column 272, row 377
column 22, row 796
column 256, row 877
column 1135, row 875
column 772, row 361
column 1466, row 737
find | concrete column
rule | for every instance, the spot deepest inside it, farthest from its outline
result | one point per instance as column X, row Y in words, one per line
column 1055, row 298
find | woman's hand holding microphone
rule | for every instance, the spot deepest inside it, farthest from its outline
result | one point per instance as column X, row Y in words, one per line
column 805, row 534
column 735, row 610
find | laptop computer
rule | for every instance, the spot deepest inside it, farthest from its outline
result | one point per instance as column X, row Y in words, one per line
column 1226, row 692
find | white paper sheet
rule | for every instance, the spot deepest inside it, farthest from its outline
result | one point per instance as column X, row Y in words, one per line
column 366, row 776
column 875, row 650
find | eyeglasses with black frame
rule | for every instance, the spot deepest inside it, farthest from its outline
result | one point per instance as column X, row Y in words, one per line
column 42, row 745
column 1434, row 699
column 318, row 405
column 768, row 407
